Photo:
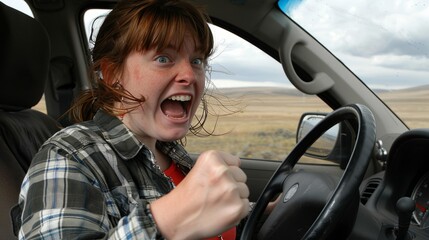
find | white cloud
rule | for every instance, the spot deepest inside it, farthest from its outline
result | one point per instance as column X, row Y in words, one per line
column 378, row 40
column 232, row 83
column 368, row 27
column 236, row 59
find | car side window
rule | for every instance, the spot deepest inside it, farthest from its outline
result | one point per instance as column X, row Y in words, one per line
column 254, row 110
column 19, row 5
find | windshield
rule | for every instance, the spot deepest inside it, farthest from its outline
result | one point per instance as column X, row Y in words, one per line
column 383, row 42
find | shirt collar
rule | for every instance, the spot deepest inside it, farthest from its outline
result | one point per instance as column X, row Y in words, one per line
column 118, row 135
column 176, row 152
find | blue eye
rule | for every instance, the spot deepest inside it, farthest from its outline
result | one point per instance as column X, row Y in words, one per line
column 197, row 61
column 162, row 59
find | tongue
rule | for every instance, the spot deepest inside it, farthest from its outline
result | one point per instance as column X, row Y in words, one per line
column 173, row 109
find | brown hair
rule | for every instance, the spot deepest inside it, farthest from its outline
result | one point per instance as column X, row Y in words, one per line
column 139, row 25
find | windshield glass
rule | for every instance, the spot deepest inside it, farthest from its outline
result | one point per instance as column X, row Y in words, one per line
column 383, row 42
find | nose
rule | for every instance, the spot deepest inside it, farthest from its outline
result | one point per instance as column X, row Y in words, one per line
column 186, row 73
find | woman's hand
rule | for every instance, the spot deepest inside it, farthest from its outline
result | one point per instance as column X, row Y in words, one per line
column 212, row 198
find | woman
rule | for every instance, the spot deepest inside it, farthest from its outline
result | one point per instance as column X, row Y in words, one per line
column 120, row 172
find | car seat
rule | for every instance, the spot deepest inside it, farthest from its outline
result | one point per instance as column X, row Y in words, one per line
column 24, row 66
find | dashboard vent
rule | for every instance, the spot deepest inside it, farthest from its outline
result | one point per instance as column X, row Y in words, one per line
column 369, row 189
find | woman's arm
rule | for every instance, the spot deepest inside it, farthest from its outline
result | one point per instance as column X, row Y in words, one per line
column 62, row 199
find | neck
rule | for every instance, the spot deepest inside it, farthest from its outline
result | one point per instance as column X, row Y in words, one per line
column 162, row 160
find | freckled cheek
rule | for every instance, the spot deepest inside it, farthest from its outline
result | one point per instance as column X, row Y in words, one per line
column 132, row 81
column 142, row 85
column 201, row 78
column 138, row 89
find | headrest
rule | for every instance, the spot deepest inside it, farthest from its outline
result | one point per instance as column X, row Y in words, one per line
column 24, row 60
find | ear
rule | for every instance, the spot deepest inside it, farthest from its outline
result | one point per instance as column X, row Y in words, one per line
column 107, row 72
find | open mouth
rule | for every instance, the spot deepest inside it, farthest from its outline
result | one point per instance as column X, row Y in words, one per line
column 176, row 106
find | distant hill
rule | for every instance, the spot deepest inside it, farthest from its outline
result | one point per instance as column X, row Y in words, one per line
column 233, row 92
column 418, row 88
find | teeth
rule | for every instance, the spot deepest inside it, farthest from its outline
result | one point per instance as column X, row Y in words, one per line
column 181, row 98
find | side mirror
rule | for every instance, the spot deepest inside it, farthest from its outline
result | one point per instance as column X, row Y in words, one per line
column 334, row 145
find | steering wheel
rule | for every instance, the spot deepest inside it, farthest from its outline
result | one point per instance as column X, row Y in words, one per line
column 345, row 190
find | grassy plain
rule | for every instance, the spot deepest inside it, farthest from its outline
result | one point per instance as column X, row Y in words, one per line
column 263, row 125
column 265, row 120
column 266, row 125
column 411, row 105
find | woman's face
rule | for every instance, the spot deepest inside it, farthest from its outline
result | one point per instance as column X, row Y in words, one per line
column 172, row 82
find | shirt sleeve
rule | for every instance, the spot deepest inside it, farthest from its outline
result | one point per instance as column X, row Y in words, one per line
column 61, row 198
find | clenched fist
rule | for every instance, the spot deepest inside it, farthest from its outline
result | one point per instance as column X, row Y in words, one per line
column 212, row 198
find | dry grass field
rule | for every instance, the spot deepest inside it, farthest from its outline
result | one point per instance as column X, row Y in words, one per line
column 261, row 122
column 411, row 105
column 266, row 125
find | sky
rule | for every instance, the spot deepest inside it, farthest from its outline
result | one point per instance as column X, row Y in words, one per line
column 384, row 42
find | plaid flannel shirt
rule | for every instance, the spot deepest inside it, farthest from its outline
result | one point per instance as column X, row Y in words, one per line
column 95, row 180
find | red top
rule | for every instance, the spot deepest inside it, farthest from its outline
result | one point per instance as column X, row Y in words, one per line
column 177, row 176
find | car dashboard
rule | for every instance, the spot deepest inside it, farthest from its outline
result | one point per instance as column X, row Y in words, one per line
column 406, row 175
